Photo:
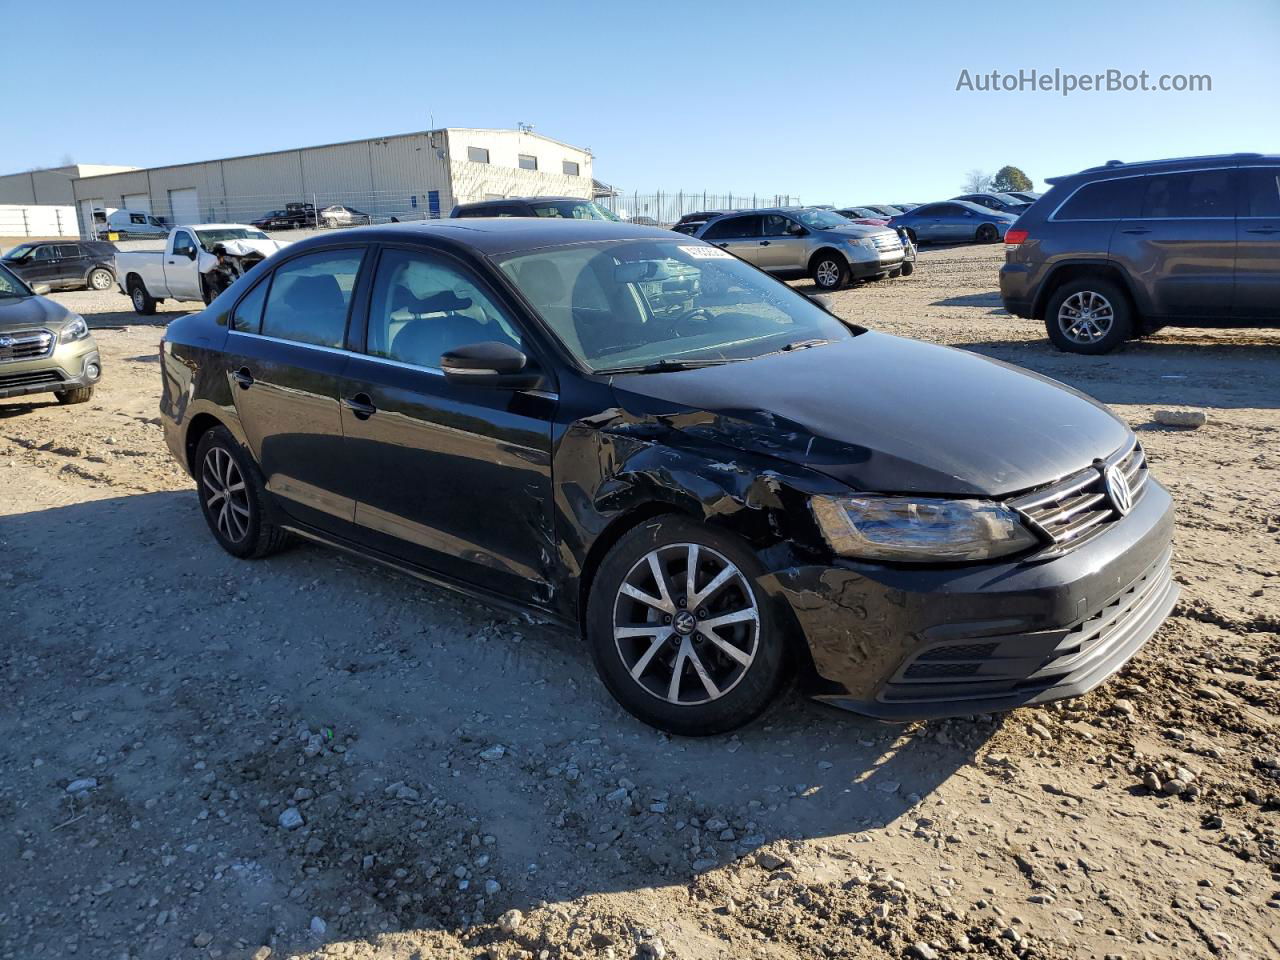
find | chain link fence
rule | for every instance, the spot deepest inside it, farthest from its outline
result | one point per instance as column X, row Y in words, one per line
column 666, row 208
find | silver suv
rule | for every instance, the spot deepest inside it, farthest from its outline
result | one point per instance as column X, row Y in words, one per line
column 792, row 242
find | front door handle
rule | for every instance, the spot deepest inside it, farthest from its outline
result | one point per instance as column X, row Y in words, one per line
column 361, row 406
column 1262, row 230
column 1136, row 230
column 243, row 377
column 764, row 243
column 723, row 246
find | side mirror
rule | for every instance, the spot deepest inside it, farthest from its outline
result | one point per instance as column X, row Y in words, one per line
column 41, row 289
column 489, row 364
column 822, row 300
column 191, row 253
column 796, row 230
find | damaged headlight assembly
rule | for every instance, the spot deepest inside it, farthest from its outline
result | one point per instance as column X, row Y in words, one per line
column 920, row 529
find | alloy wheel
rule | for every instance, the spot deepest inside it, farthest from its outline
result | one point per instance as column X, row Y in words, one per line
column 827, row 274
column 225, row 496
column 100, row 280
column 1085, row 317
column 686, row 624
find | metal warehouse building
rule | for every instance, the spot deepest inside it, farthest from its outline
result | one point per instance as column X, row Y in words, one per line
column 408, row 176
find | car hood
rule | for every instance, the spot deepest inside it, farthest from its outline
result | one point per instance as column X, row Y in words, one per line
column 26, row 313
column 853, row 230
column 884, row 414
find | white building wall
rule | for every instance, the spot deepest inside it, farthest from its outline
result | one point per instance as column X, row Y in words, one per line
column 503, row 176
column 20, row 220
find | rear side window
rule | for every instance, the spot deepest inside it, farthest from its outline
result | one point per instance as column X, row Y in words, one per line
column 1261, row 192
column 733, row 227
column 247, row 316
column 1104, row 200
column 1205, row 193
column 310, row 298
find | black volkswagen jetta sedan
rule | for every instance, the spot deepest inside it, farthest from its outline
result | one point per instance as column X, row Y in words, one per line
column 712, row 478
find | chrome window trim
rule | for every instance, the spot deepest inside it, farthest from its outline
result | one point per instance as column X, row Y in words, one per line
column 293, row 343
column 1135, row 176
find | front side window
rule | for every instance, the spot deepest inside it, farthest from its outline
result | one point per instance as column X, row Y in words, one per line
column 247, row 316
column 46, row 253
column 1205, row 193
column 528, row 161
column 183, row 245
column 137, row 218
column 1261, row 192
column 311, row 296
column 619, row 305
column 423, row 306
column 569, row 168
column 1104, row 200
column 477, row 154
column 775, row 225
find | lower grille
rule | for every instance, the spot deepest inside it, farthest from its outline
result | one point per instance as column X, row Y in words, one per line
column 25, row 346
column 1021, row 667
column 1078, row 508
column 29, row 379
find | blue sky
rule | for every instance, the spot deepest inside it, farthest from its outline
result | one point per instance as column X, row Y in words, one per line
column 834, row 102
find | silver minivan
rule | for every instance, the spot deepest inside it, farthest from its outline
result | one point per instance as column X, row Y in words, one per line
column 792, row 242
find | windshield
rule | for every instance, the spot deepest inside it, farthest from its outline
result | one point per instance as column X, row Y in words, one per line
column 209, row 237
column 20, row 251
column 572, row 210
column 632, row 303
column 11, row 286
column 819, row 219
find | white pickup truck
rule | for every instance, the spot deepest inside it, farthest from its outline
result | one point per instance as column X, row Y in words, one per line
column 198, row 262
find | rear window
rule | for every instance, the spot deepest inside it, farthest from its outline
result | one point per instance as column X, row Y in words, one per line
column 310, row 296
column 1104, row 200
column 1205, row 193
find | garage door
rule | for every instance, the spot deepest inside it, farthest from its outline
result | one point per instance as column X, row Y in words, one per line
column 137, row 201
column 184, row 206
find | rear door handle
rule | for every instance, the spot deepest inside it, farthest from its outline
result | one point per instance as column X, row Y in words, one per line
column 361, row 406
column 1262, row 230
column 1136, row 230
column 764, row 243
column 243, row 377
column 723, row 246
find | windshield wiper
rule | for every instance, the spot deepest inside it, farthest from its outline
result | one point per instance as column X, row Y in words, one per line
column 667, row 365
column 804, row 344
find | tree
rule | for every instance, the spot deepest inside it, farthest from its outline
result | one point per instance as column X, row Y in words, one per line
column 1010, row 178
column 975, row 181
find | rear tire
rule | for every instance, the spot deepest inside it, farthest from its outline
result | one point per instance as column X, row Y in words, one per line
column 1089, row 315
column 829, row 270
column 233, row 497
column 143, row 302
column 100, row 278
column 78, row 395
column 639, row 648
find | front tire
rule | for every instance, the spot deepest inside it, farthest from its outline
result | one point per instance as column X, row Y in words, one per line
column 830, row 271
column 100, row 279
column 908, row 268
column 143, row 302
column 987, row 233
column 78, row 395
column 693, row 654
column 233, row 497
column 1089, row 316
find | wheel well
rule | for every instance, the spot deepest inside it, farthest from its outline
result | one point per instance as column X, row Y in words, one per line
column 200, row 424
column 1076, row 271
column 618, row 528
column 133, row 280
column 824, row 251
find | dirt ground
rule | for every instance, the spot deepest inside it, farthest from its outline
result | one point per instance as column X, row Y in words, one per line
column 308, row 756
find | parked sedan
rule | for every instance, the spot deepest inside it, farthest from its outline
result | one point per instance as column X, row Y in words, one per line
column 338, row 215
column 954, row 221
column 66, row 264
column 1003, row 202
column 672, row 454
column 864, row 215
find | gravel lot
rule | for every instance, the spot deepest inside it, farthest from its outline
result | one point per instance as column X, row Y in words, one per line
column 308, row 756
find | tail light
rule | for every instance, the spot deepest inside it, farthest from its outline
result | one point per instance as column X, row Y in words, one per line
column 1015, row 238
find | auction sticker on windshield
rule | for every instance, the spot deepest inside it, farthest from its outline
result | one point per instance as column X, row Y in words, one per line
column 706, row 253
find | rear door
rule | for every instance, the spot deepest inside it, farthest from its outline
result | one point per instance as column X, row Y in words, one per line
column 1182, row 245
column 72, row 265
column 739, row 235
column 1258, row 244
column 285, row 357
column 450, row 477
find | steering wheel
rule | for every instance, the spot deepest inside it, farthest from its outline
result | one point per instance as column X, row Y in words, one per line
column 698, row 317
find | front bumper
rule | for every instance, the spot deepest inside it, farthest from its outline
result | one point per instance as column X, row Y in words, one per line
column 911, row 644
column 69, row 367
column 877, row 265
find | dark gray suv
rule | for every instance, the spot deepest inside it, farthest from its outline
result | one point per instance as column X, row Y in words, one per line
column 1119, row 251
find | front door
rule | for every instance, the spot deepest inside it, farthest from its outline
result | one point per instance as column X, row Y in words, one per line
column 450, row 477
column 1184, row 240
column 43, row 265
column 286, row 357
column 181, row 274
column 1258, row 245
column 781, row 249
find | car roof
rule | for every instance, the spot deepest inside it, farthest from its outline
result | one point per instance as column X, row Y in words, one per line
column 1146, row 166
column 498, row 235
column 500, row 200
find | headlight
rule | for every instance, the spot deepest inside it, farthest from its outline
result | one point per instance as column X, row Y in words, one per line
column 73, row 329
column 920, row 530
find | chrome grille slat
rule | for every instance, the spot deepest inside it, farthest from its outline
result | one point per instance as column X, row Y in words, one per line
column 1070, row 508
column 15, row 347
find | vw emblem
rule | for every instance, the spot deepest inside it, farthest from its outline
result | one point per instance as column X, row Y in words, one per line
column 1117, row 485
column 6, row 341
